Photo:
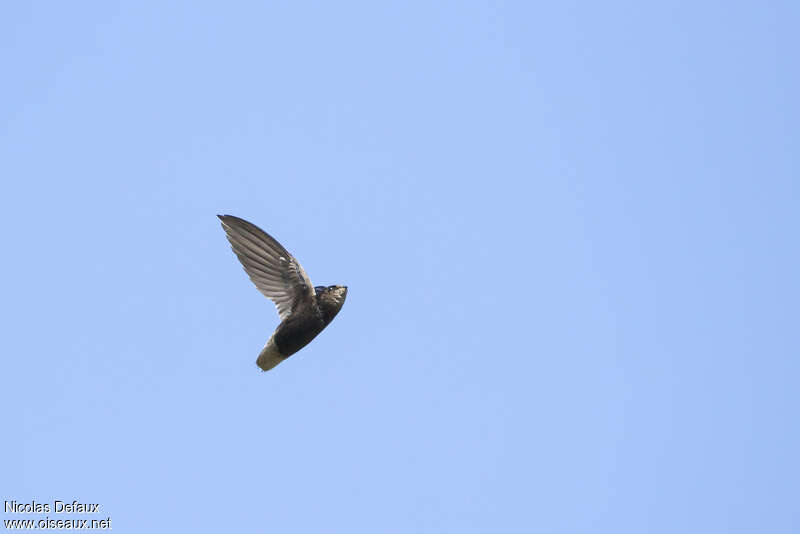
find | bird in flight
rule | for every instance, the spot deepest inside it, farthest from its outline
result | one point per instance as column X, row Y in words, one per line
column 304, row 310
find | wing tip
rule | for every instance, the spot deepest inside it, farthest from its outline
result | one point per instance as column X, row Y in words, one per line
column 228, row 221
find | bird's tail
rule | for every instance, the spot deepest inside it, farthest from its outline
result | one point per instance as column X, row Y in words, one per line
column 269, row 356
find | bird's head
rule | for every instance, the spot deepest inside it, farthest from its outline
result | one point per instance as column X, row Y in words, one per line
column 330, row 299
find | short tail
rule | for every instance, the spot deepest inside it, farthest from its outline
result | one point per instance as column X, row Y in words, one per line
column 269, row 356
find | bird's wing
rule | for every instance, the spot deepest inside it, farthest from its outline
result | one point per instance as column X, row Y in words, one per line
column 272, row 269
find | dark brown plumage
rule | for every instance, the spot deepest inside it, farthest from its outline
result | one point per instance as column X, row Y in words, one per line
column 304, row 310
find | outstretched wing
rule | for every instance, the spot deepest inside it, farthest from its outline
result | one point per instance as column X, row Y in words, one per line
column 272, row 269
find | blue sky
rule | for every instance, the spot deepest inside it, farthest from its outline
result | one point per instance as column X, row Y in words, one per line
column 569, row 230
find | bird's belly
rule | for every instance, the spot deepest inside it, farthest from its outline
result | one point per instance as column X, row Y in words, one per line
column 293, row 335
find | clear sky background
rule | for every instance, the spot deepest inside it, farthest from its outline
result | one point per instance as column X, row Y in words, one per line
column 569, row 229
